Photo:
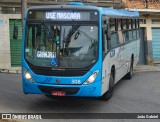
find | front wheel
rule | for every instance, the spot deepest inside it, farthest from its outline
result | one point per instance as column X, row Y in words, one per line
column 109, row 93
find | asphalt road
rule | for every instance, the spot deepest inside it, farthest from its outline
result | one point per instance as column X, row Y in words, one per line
column 141, row 94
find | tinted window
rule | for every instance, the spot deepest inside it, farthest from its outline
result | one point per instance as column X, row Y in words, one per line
column 113, row 25
column 114, row 39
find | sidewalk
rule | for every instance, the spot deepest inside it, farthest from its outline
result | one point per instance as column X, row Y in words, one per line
column 141, row 68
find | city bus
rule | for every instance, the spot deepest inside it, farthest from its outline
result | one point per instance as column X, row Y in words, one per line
column 78, row 50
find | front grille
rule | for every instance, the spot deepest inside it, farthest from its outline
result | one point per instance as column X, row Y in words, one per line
column 68, row 91
column 59, row 72
column 49, row 71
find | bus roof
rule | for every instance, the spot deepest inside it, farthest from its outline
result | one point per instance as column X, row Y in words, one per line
column 120, row 13
column 105, row 11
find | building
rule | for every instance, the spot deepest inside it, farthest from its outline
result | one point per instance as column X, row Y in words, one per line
column 10, row 14
column 150, row 28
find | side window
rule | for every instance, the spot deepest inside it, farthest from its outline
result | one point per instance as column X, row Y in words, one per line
column 130, row 35
column 138, row 26
column 114, row 33
column 138, row 23
column 130, row 22
column 105, row 46
column 135, row 23
column 120, row 30
column 125, row 32
column 138, row 35
column 134, row 34
column 114, row 39
column 119, row 24
column 105, row 41
column 126, row 35
column 124, row 24
column 134, row 27
column 112, row 24
column 120, row 35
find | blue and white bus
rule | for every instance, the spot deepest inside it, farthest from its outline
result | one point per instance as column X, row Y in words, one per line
column 78, row 50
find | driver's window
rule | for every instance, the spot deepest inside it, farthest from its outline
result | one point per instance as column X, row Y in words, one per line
column 105, row 34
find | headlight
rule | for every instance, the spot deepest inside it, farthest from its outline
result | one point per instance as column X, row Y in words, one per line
column 92, row 78
column 28, row 76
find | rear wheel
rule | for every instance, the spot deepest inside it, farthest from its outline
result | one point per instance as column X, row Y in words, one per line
column 109, row 93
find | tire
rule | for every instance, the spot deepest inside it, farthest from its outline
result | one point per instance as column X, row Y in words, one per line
column 130, row 73
column 109, row 93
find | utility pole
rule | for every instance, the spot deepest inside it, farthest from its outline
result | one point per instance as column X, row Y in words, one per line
column 24, row 8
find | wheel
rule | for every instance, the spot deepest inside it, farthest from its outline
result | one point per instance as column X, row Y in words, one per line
column 130, row 73
column 109, row 93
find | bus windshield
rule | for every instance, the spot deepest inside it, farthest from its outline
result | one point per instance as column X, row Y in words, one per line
column 60, row 45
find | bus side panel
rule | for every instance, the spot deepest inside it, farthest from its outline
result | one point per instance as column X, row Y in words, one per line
column 119, row 57
column 129, row 49
column 113, row 58
column 120, row 69
column 105, row 74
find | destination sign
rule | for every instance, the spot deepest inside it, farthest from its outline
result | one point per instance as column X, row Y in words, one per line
column 63, row 15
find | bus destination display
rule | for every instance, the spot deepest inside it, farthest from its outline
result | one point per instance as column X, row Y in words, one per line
column 63, row 15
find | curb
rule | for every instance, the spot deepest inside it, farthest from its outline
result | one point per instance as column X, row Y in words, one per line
column 10, row 71
column 147, row 70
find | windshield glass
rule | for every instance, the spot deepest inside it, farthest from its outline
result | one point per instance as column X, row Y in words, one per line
column 63, row 46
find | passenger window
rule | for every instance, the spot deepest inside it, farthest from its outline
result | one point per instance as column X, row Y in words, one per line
column 138, row 36
column 127, row 24
column 119, row 25
column 114, row 39
column 114, row 33
column 126, row 35
column 135, row 23
column 138, row 23
column 130, row 35
column 120, row 37
column 134, row 34
column 130, row 24
column 112, row 25
column 124, row 24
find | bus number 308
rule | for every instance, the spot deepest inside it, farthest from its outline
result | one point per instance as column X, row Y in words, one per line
column 75, row 81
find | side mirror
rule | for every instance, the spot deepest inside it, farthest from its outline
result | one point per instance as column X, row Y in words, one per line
column 15, row 31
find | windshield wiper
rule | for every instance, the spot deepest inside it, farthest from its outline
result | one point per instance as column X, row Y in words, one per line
column 49, row 33
column 86, row 35
column 71, row 32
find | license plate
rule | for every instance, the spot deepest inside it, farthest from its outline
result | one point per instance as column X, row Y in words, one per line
column 58, row 93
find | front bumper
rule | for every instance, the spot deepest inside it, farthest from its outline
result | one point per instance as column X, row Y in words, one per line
column 91, row 90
